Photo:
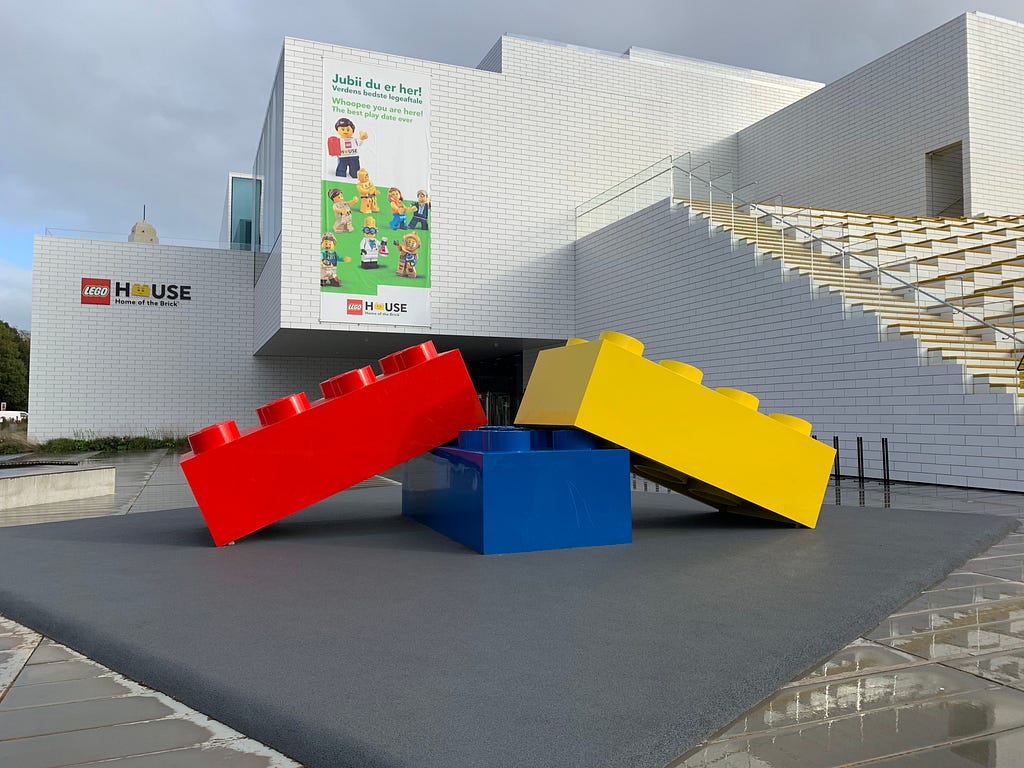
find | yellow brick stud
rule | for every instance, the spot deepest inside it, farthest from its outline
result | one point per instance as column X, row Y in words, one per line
column 793, row 422
column 628, row 343
column 689, row 372
column 745, row 399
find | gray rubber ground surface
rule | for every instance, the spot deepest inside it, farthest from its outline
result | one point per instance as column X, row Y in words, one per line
column 349, row 636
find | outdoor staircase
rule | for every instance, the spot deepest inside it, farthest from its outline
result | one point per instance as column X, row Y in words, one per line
column 956, row 286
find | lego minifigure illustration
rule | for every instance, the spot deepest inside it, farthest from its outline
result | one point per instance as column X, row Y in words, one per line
column 407, row 249
column 369, row 246
column 328, row 261
column 345, row 146
column 342, row 211
column 398, row 209
column 367, row 193
column 420, row 211
column 383, row 250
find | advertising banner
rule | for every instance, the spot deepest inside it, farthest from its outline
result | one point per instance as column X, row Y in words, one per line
column 374, row 239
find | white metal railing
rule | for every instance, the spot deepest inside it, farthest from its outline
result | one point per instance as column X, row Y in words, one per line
column 624, row 199
column 959, row 313
column 640, row 190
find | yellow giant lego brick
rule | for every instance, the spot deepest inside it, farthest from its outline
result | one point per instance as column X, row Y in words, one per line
column 712, row 445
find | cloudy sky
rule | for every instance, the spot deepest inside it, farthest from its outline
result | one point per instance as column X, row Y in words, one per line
column 109, row 105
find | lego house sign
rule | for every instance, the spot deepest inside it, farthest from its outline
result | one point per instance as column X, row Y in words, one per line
column 101, row 290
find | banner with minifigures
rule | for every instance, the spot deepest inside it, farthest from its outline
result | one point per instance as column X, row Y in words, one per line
column 375, row 255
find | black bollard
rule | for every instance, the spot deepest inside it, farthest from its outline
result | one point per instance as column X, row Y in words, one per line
column 885, row 460
column 860, row 460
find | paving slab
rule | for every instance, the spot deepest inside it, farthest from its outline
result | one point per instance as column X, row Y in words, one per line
column 47, row 652
column 76, row 747
column 79, row 715
column 75, row 669
column 65, row 691
column 195, row 757
column 1001, row 750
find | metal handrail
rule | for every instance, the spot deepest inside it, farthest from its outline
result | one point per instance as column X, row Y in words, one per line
column 667, row 158
column 673, row 166
column 878, row 270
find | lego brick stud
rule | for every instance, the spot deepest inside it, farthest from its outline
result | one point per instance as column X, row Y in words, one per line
column 347, row 382
column 506, row 440
column 572, row 440
column 416, row 355
column 214, row 436
column 471, row 439
column 622, row 340
column 745, row 399
column 278, row 410
column 688, row 372
column 793, row 422
column 391, row 364
column 575, row 340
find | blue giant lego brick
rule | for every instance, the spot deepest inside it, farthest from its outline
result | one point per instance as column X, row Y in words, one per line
column 508, row 489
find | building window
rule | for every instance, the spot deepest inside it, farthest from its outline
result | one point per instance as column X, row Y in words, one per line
column 245, row 211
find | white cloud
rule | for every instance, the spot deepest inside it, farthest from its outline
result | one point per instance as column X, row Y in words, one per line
column 15, row 295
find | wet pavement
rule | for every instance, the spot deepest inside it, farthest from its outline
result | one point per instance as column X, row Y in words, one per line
column 58, row 708
column 939, row 684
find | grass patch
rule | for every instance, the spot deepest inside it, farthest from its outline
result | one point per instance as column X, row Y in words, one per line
column 14, row 439
column 112, row 443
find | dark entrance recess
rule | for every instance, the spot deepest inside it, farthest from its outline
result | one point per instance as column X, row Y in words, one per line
column 498, row 381
column 945, row 179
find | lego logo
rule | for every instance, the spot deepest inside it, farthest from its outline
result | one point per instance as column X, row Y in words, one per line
column 95, row 290
column 354, row 306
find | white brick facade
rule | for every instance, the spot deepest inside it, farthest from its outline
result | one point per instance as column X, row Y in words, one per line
column 995, row 60
column 860, row 143
column 141, row 370
column 512, row 154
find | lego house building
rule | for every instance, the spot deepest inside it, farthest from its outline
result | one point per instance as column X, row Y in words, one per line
column 850, row 253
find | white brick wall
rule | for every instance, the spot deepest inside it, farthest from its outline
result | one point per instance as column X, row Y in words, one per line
column 859, row 143
column 658, row 276
column 512, row 154
column 102, row 370
column 995, row 59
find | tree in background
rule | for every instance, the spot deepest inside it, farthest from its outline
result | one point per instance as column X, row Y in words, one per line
column 14, row 351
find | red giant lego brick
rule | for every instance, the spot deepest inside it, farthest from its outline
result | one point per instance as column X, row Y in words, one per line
column 303, row 452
